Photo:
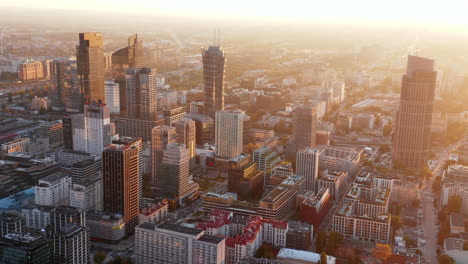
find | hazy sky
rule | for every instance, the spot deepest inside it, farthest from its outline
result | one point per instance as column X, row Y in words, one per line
column 441, row 12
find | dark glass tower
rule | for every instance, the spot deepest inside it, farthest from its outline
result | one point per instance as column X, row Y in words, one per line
column 214, row 60
column 412, row 137
column 90, row 63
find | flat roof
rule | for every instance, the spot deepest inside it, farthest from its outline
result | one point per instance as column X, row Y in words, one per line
column 211, row 239
column 180, row 229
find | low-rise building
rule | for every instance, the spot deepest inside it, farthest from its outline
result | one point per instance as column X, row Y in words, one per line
column 104, row 226
column 153, row 213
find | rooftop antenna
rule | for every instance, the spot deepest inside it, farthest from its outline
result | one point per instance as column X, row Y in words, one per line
column 219, row 37
column 214, row 37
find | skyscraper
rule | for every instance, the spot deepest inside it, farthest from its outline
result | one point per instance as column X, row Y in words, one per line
column 90, row 63
column 128, row 57
column 229, row 133
column 112, row 96
column 186, row 130
column 68, row 89
column 412, row 137
column 121, row 180
column 174, row 176
column 141, row 93
column 93, row 130
column 213, row 78
column 304, row 122
column 161, row 137
column 307, row 163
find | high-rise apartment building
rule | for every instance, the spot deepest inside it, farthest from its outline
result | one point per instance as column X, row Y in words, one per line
column 412, row 136
column 121, row 180
column 175, row 180
column 141, row 93
column 112, row 92
column 307, row 163
column 161, row 137
column 304, row 122
column 90, row 62
column 214, row 60
column 186, row 134
column 53, row 190
column 31, row 71
column 173, row 244
column 229, row 133
column 69, row 236
column 68, row 89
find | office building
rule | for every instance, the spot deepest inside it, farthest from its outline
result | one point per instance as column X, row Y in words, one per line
column 141, row 93
column 294, row 256
column 299, row 235
column 68, row 86
column 315, row 206
column 173, row 115
column 412, row 136
column 214, row 61
column 335, row 181
column 16, row 145
column 266, row 159
column 228, row 133
column 53, row 190
column 247, row 181
column 112, row 92
column 173, row 244
column 87, row 194
column 122, row 180
column 175, row 181
column 154, row 213
column 186, row 134
column 340, row 159
column 94, row 130
column 161, row 137
column 304, row 126
column 31, row 71
column 90, row 63
column 11, row 222
column 307, row 163
column 85, row 169
column 104, row 226
column 129, row 127
column 204, row 127
column 24, row 248
column 36, row 216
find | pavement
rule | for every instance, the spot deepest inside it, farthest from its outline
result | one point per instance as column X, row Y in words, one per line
column 429, row 226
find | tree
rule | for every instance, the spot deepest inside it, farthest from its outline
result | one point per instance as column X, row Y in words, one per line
column 333, row 239
column 320, row 241
column 265, row 251
column 387, row 129
column 99, row 257
column 455, row 203
column 382, row 252
column 384, row 148
column 445, row 259
column 323, row 258
column 426, row 173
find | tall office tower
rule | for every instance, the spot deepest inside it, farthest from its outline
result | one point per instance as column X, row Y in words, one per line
column 69, row 124
column 304, row 122
column 94, row 130
column 69, row 236
column 161, row 137
column 247, row 181
column 68, row 89
column 186, row 134
column 228, row 133
column 175, row 180
column 213, row 78
column 24, row 248
column 179, row 245
column 412, row 137
column 121, row 181
column 266, row 158
column 307, row 163
column 124, row 58
column 141, row 93
column 90, row 62
column 112, row 96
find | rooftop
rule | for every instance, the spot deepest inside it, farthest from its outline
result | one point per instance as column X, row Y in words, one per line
column 211, row 239
column 180, row 229
column 307, row 256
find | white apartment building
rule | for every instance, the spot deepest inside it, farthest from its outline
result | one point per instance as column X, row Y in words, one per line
column 87, row 194
column 53, row 190
column 229, row 133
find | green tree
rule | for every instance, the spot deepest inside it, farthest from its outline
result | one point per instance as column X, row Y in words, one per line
column 320, row 241
column 455, row 203
column 323, row 258
column 99, row 257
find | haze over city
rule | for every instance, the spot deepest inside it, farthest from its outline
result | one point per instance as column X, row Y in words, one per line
column 234, row 132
